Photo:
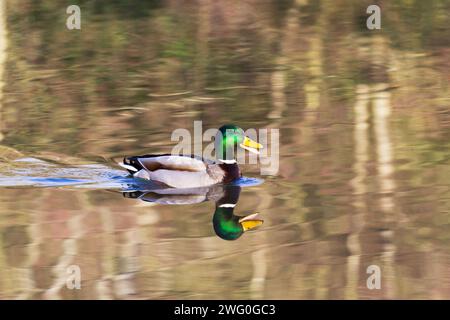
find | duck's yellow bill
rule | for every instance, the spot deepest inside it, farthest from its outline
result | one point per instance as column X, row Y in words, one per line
column 251, row 221
column 251, row 145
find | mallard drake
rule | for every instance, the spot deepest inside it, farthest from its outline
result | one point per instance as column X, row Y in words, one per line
column 188, row 171
column 227, row 225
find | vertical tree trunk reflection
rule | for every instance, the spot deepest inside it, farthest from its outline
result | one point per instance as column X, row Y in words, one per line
column 385, row 167
column 361, row 141
column 3, row 34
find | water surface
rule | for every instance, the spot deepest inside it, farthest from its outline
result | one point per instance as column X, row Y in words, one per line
column 364, row 119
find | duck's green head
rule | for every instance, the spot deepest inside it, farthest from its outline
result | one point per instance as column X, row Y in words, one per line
column 230, row 227
column 228, row 138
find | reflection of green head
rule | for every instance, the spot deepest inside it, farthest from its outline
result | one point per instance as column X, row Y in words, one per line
column 227, row 225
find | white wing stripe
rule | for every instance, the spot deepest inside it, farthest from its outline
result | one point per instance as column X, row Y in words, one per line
column 126, row 166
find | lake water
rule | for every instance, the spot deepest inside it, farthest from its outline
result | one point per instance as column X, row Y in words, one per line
column 364, row 157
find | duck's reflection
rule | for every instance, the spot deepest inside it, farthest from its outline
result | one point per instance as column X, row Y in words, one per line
column 227, row 225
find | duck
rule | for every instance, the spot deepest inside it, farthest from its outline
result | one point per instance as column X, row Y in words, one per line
column 227, row 225
column 190, row 171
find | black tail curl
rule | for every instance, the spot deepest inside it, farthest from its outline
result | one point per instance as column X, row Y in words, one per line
column 133, row 162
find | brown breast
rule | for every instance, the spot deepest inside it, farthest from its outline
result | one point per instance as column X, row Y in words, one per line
column 231, row 171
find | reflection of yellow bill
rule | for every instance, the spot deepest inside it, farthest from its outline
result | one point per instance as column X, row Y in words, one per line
column 251, row 145
column 251, row 221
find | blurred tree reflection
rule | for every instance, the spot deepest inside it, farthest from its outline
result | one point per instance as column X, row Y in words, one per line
column 139, row 69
